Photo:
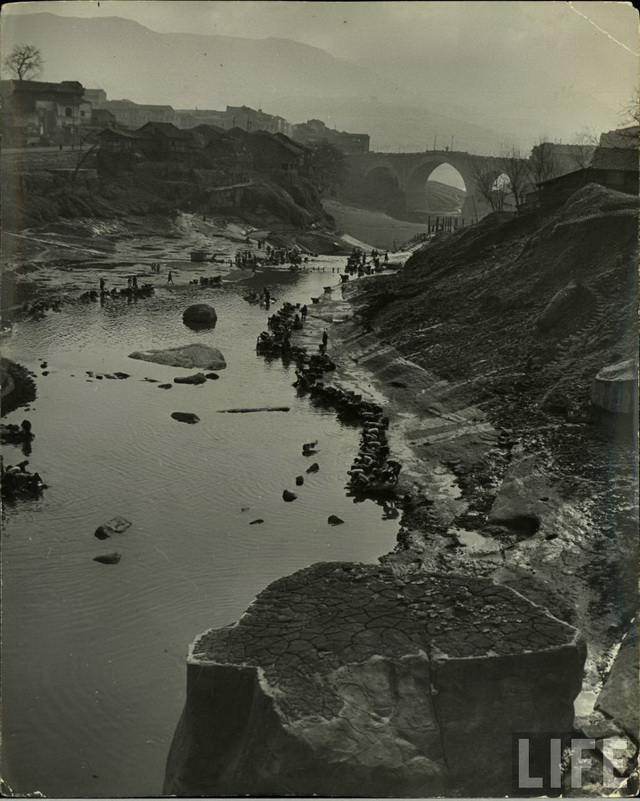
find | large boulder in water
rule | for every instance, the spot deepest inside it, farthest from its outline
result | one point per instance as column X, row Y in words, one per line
column 346, row 679
column 200, row 315
column 197, row 355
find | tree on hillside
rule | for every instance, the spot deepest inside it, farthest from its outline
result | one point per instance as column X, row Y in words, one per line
column 543, row 162
column 24, row 62
column 516, row 168
column 328, row 167
column 486, row 173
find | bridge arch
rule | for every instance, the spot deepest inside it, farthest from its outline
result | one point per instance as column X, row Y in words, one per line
column 475, row 206
column 382, row 187
column 421, row 198
column 385, row 166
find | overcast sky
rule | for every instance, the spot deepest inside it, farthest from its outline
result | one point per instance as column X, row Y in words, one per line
column 530, row 60
column 360, row 29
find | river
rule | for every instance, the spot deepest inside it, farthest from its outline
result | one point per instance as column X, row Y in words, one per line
column 375, row 227
column 93, row 655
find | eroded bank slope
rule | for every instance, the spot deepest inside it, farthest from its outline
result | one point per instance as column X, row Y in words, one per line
column 482, row 350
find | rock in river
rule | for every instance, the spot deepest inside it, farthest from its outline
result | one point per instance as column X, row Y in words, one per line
column 196, row 355
column 186, row 417
column 197, row 378
column 334, row 520
column 114, row 526
column 200, row 315
column 346, row 679
column 288, row 496
column 108, row 558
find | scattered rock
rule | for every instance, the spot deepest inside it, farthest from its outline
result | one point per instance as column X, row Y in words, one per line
column 256, row 409
column 197, row 378
column 199, row 316
column 256, row 522
column 299, row 481
column 46, row 372
column 151, row 380
column 314, row 468
column 108, row 558
column 121, row 375
column 165, row 386
column 109, row 375
column 334, row 520
column 289, row 496
column 186, row 417
column 189, row 356
column 572, row 297
column 99, row 377
column 117, row 525
column 212, row 376
column 614, row 387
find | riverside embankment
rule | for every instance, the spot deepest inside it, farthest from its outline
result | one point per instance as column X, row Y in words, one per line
column 492, row 489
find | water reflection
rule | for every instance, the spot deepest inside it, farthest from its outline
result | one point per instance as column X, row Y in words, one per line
column 94, row 655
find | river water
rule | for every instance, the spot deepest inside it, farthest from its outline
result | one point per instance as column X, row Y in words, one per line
column 93, row 656
column 375, row 227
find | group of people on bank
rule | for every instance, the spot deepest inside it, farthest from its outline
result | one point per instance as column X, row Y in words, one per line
column 358, row 263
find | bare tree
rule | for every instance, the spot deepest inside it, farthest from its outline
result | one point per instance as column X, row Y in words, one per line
column 627, row 136
column 630, row 112
column 484, row 173
column 516, row 168
column 543, row 162
column 24, row 62
column 584, row 145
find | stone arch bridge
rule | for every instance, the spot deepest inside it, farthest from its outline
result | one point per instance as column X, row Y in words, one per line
column 408, row 173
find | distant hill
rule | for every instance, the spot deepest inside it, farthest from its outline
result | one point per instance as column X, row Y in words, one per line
column 280, row 76
column 444, row 198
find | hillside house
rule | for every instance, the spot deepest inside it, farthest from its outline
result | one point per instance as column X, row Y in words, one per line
column 134, row 115
column 277, row 153
column 223, row 152
column 615, row 168
column 35, row 111
column 251, row 120
column 102, row 118
column 314, row 132
column 163, row 141
column 97, row 97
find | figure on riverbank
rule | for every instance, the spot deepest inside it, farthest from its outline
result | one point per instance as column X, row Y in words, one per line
column 170, row 277
column 102, row 284
column 325, row 340
column 303, row 312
